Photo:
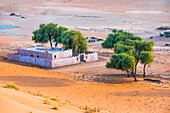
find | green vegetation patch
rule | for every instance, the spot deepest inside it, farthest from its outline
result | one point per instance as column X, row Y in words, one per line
column 11, row 85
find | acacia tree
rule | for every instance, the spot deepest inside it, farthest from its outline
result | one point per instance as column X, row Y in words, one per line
column 57, row 35
column 146, row 58
column 124, row 62
column 116, row 36
column 39, row 36
column 121, row 48
column 74, row 40
column 45, row 32
column 139, row 47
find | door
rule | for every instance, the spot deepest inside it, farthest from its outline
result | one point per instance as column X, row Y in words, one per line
column 81, row 58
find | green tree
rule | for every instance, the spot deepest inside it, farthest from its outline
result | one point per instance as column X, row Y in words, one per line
column 110, row 41
column 146, row 58
column 57, row 35
column 74, row 40
column 139, row 47
column 121, row 48
column 39, row 36
column 45, row 32
column 116, row 36
column 122, row 61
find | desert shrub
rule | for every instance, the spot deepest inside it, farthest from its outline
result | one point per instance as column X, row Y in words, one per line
column 167, row 36
column 93, row 38
column 12, row 14
column 46, row 96
column 47, row 102
column 114, row 30
column 167, row 44
column 11, row 85
column 166, row 33
column 100, row 39
column 161, row 35
column 163, row 28
column 54, row 99
column 55, row 108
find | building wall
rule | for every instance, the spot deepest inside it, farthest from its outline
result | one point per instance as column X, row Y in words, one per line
column 66, row 61
column 91, row 57
column 62, row 54
column 32, row 60
column 57, row 55
column 34, row 53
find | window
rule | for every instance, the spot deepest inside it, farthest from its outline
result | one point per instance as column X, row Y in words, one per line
column 55, row 56
column 86, row 57
column 37, row 56
column 31, row 55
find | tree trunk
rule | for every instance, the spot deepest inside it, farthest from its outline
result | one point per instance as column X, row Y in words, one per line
column 56, row 44
column 134, row 75
column 51, row 44
column 136, row 66
column 144, row 70
column 128, row 73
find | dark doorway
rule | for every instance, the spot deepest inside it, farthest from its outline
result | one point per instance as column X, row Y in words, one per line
column 81, row 58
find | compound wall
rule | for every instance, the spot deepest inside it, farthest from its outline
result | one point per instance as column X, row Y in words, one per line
column 62, row 54
column 57, row 55
column 53, row 63
column 34, row 53
column 91, row 57
column 66, row 61
column 32, row 60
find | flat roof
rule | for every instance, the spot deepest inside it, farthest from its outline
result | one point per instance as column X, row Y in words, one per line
column 55, row 50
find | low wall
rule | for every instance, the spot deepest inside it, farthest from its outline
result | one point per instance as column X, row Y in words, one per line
column 34, row 53
column 32, row 60
column 57, row 55
column 65, row 61
column 62, row 54
column 91, row 57
column 53, row 63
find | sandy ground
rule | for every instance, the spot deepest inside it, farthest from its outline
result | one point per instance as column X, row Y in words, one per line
column 122, row 95
column 87, row 84
column 26, row 103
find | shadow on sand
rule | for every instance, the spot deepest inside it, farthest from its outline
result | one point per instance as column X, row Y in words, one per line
column 30, row 81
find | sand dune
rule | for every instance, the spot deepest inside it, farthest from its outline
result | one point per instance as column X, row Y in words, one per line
column 12, row 101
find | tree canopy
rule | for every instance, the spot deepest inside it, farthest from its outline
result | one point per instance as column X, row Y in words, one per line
column 58, row 34
column 116, row 36
column 121, row 48
column 48, row 32
column 74, row 40
column 146, row 58
column 122, row 61
column 45, row 33
column 124, row 42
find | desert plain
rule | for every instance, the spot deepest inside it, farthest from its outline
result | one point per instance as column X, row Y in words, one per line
column 80, row 88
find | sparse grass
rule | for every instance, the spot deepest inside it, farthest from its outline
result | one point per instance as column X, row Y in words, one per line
column 47, row 102
column 55, row 99
column 55, row 108
column 46, row 96
column 64, row 103
column 11, row 85
column 90, row 110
